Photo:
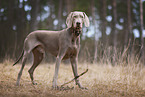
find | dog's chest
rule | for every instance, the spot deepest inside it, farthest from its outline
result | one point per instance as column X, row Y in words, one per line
column 73, row 46
column 72, row 50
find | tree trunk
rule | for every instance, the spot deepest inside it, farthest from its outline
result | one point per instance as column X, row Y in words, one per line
column 60, row 14
column 114, row 33
column 34, row 13
column 142, row 38
column 69, row 5
column 94, row 24
column 128, row 34
column 114, row 24
column 103, row 25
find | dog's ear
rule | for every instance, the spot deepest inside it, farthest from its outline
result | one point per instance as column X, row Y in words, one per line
column 86, row 20
column 69, row 20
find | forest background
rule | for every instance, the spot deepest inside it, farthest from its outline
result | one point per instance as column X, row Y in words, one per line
column 116, row 33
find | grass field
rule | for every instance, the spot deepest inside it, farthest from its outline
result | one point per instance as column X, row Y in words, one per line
column 101, row 81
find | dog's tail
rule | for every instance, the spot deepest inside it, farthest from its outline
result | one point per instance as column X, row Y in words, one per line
column 19, row 58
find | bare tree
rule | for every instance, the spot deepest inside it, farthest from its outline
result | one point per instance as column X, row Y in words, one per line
column 103, row 25
column 34, row 12
column 141, row 26
column 69, row 5
column 94, row 24
column 114, row 32
column 60, row 14
column 114, row 24
column 128, row 34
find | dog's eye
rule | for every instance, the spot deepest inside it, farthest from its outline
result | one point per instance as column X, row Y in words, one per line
column 81, row 16
column 75, row 16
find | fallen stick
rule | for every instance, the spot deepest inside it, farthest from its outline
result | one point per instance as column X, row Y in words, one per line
column 75, row 78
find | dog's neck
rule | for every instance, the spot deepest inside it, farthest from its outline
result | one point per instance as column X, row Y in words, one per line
column 75, row 34
column 76, row 31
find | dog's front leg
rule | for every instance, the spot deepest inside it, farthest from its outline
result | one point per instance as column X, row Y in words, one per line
column 58, row 61
column 74, row 68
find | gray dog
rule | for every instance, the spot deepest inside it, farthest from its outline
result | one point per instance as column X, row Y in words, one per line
column 62, row 44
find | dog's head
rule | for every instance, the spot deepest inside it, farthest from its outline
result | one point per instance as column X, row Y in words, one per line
column 76, row 19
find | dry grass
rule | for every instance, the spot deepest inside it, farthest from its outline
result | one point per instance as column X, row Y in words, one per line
column 101, row 80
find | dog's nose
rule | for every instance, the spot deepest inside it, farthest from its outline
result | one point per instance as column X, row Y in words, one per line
column 78, row 23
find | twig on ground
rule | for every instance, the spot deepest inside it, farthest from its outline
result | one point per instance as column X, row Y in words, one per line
column 75, row 78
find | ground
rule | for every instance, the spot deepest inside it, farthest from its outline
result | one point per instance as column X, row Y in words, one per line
column 101, row 80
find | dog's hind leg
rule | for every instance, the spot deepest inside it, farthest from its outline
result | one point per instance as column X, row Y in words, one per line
column 23, row 64
column 38, row 53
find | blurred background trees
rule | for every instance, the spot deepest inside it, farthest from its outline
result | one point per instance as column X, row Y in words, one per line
column 117, row 26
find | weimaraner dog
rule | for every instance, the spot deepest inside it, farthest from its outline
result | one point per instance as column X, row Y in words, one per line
column 62, row 44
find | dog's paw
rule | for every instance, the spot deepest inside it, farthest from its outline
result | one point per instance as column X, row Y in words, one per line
column 34, row 83
column 83, row 88
column 55, row 87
